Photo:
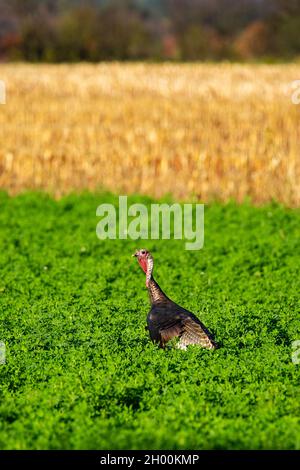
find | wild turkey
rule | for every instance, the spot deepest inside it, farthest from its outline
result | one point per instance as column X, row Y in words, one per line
column 166, row 319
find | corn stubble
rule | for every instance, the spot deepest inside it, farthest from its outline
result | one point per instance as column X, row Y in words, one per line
column 196, row 131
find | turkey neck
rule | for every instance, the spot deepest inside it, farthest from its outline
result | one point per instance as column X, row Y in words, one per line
column 155, row 293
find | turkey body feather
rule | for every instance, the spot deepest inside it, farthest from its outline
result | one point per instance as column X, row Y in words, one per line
column 166, row 319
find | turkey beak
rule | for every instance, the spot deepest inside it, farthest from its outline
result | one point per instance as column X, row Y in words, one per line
column 135, row 254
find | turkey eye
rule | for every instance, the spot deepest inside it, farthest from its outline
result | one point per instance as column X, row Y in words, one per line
column 143, row 252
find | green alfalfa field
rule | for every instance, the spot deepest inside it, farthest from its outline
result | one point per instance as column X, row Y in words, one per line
column 80, row 370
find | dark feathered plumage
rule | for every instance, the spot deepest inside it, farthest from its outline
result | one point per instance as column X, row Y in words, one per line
column 166, row 319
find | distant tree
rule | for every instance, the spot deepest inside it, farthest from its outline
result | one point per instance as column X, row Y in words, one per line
column 7, row 28
column 72, row 30
column 170, row 48
column 254, row 41
column 288, row 37
column 196, row 43
column 123, row 34
column 285, row 25
column 78, row 35
column 37, row 38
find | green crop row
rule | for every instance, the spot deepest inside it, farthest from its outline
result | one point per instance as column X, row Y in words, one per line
column 80, row 371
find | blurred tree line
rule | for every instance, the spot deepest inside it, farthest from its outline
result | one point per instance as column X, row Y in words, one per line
column 94, row 30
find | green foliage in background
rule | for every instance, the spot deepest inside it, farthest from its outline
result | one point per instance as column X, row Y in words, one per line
column 80, row 371
column 155, row 30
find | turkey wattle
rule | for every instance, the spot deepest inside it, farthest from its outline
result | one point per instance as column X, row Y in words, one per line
column 166, row 319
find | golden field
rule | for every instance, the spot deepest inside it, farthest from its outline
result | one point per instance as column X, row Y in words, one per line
column 196, row 131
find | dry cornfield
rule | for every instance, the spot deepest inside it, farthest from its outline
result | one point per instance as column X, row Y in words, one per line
column 195, row 131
